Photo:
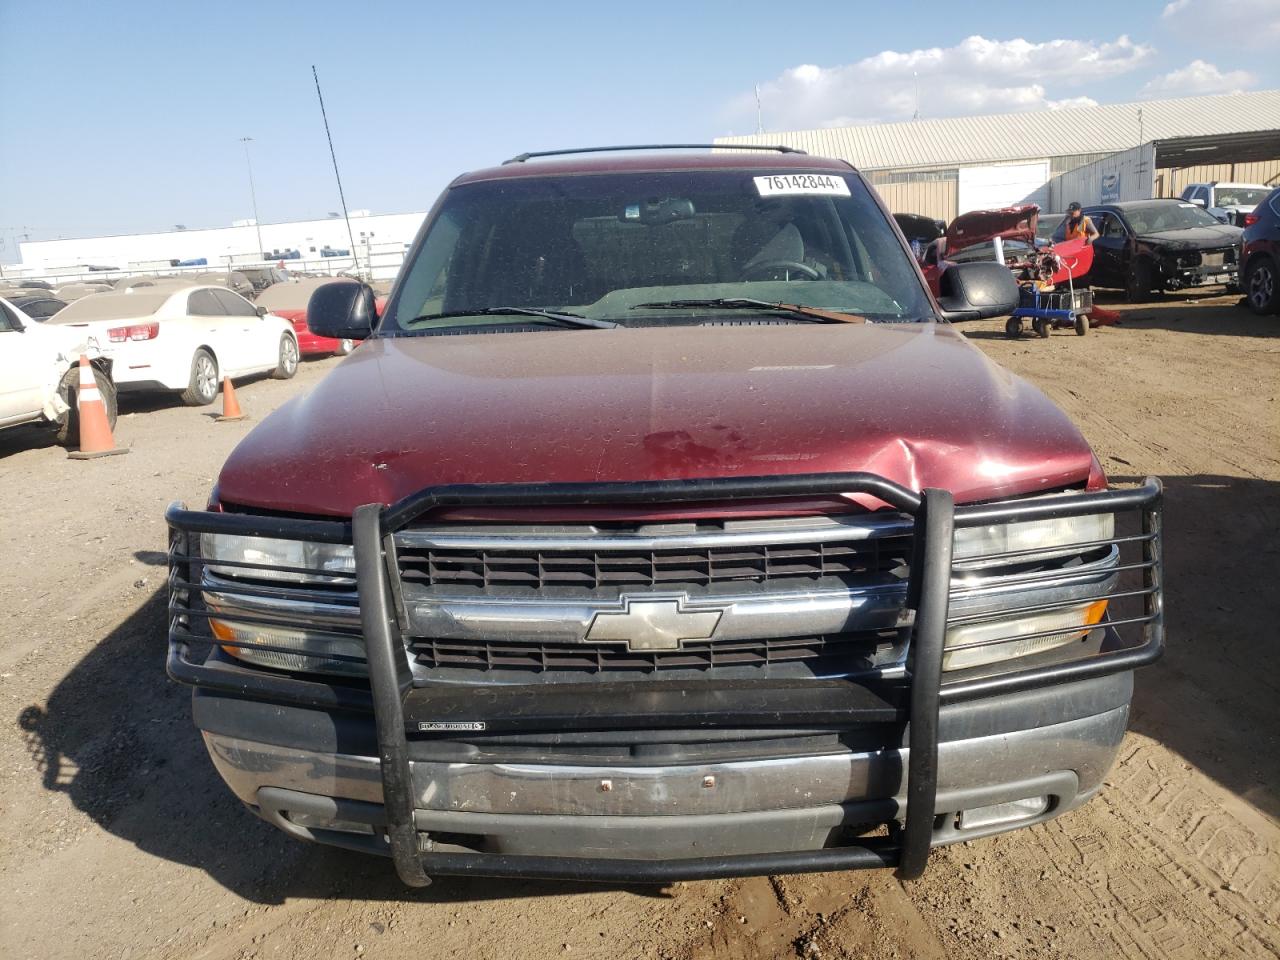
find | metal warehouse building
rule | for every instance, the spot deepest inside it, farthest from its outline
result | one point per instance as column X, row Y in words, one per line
column 940, row 168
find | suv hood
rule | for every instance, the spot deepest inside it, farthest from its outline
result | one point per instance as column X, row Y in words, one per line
column 912, row 402
column 1194, row 238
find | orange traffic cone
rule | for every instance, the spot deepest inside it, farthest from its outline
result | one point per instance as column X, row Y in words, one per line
column 95, row 432
column 230, row 405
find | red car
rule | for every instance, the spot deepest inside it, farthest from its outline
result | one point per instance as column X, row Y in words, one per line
column 969, row 230
column 661, row 530
column 289, row 300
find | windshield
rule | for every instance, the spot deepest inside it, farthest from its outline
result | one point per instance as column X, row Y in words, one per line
column 1167, row 215
column 1228, row 196
column 608, row 246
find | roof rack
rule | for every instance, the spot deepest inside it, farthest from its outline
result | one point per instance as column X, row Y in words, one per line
column 778, row 148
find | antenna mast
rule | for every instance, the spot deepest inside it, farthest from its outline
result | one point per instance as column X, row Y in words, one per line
column 336, row 176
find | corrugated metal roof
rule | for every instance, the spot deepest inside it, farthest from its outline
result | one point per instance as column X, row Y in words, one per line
column 1031, row 136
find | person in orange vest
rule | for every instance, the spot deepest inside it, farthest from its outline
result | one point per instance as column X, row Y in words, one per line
column 1078, row 225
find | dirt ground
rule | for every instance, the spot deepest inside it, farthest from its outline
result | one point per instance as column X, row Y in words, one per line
column 120, row 841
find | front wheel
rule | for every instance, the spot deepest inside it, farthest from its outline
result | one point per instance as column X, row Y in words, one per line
column 1138, row 284
column 1041, row 327
column 1260, row 287
column 287, row 364
column 1013, row 328
column 68, row 426
column 1082, row 324
column 202, row 389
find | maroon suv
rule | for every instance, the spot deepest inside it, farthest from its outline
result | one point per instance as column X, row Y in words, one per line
column 663, row 528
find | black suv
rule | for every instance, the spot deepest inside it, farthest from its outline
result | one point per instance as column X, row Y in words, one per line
column 1148, row 246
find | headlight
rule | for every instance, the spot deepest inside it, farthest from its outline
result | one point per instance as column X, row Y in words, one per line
column 984, row 555
column 317, row 653
column 294, row 561
column 309, row 636
column 977, row 543
column 978, row 644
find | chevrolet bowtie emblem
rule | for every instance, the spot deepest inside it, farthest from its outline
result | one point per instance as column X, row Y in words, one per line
column 657, row 624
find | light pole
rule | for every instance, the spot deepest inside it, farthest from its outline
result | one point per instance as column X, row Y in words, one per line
column 253, row 194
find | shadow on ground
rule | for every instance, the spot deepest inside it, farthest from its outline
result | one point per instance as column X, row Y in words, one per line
column 1212, row 313
column 29, row 436
column 116, row 736
column 1214, row 698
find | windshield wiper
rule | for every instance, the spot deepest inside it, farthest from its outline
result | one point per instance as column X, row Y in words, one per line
column 565, row 319
column 816, row 314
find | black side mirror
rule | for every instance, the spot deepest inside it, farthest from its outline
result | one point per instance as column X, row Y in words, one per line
column 261, row 311
column 977, row 291
column 342, row 310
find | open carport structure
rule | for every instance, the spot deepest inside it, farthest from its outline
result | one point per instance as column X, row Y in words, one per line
column 1163, row 168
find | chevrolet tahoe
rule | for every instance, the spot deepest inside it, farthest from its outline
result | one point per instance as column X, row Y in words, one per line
column 663, row 528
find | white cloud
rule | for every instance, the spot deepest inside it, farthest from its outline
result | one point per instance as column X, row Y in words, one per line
column 975, row 76
column 1196, row 79
column 1226, row 23
column 1071, row 102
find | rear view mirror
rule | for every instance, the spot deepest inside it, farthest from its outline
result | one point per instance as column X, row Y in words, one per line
column 1198, row 201
column 656, row 211
column 977, row 291
column 261, row 311
column 342, row 310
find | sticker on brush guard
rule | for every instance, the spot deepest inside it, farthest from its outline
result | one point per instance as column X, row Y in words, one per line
column 801, row 185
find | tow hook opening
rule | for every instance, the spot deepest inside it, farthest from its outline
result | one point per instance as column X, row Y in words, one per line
column 1011, row 811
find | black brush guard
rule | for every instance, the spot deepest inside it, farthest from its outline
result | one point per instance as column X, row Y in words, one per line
column 390, row 694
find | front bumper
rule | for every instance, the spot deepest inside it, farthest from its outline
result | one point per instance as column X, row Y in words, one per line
column 1003, row 763
column 1177, row 278
column 934, row 764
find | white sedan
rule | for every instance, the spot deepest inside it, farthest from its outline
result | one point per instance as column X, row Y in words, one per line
column 184, row 340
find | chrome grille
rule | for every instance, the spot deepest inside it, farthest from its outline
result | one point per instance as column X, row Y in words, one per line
column 537, row 598
column 598, row 658
column 607, row 559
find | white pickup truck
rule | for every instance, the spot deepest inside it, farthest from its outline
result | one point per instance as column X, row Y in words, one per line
column 39, row 374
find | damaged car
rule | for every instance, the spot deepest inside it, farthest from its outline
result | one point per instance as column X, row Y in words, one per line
column 40, row 374
column 1145, row 247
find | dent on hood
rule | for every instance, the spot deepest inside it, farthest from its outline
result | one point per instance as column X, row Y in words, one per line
column 919, row 407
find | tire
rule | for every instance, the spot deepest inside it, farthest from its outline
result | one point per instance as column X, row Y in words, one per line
column 1262, row 286
column 287, row 364
column 1041, row 328
column 1082, row 325
column 1013, row 328
column 68, row 426
column 344, row 348
column 1138, row 284
column 202, row 389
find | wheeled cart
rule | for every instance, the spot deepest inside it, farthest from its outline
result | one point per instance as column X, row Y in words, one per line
column 1050, row 309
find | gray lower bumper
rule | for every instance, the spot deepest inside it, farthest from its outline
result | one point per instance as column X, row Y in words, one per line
column 1004, row 763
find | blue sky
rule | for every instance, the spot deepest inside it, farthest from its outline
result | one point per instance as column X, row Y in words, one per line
column 124, row 117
